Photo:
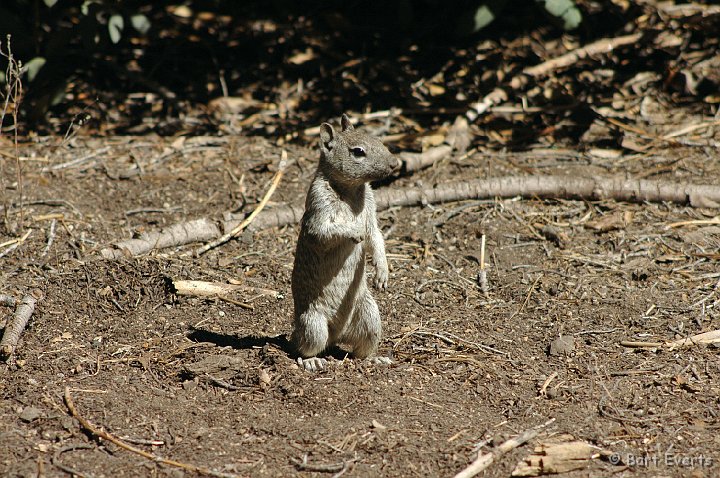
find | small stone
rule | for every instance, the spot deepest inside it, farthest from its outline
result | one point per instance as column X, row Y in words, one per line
column 563, row 345
column 30, row 414
column 378, row 426
column 264, row 377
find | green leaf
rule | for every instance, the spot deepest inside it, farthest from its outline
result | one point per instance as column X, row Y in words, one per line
column 557, row 8
column 85, row 7
column 572, row 18
column 140, row 22
column 32, row 67
column 115, row 27
column 50, row 3
column 565, row 10
column 483, row 17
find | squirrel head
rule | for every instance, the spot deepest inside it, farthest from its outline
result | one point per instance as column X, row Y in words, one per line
column 351, row 157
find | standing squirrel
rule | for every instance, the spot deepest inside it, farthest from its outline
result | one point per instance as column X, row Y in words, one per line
column 332, row 301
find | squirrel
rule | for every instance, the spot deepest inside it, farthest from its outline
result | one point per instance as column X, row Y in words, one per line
column 332, row 301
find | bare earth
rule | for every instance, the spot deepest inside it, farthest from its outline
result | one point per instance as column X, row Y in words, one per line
column 211, row 383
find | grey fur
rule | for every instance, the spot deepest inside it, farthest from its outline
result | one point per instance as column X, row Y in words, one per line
column 332, row 301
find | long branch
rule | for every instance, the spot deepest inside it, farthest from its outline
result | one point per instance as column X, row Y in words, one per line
column 559, row 187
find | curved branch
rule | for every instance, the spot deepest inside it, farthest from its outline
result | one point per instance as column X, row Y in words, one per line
column 560, row 187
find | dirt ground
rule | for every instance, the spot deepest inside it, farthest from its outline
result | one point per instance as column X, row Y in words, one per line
column 212, row 383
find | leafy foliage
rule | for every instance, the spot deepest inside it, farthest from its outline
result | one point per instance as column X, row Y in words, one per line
column 565, row 12
column 65, row 42
column 58, row 37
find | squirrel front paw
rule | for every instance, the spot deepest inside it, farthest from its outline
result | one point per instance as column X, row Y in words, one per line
column 357, row 235
column 381, row 277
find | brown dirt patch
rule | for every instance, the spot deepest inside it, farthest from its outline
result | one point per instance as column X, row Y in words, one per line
column 468, row 367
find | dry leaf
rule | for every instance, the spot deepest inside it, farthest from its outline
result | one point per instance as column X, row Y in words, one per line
column 435, row 90
column 611, row 222
column 432, row 140
column 302, row 57
column 233, row 105
column 377, row 425
column 459, row 135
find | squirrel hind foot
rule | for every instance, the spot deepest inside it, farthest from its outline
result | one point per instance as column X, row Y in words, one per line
column 312, row 364
column 381, row 361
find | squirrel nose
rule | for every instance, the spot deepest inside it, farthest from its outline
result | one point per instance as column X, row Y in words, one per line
column 394, row 163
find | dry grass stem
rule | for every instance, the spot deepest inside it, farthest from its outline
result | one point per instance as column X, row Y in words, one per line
column 99, row 433
column 240, row 227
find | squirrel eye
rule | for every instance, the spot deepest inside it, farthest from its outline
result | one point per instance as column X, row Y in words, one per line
column 358, row 152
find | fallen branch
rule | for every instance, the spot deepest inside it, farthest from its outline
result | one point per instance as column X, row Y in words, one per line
column 558, row 187
column 198, row 230
column 705, row 338
column 410, row 162
column 599, row 47
column 7, row 300
column 555, row 458
column 483, row 461
column 240, row 227
column 99, row 433
column 547, row 187
column 458, row 139
column 17, row 325
column 198, row 288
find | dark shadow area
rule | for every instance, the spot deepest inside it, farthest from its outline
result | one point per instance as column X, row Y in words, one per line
column 140, row 67
column 255, row 341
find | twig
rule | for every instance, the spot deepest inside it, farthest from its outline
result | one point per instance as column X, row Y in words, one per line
column 482, row 275
column 448, row 337
column 640, row 344
column 244, row 305
column 93, row 430
column 221, row 383
column 55, row 460
column 12, row 99
column 319, row 467
column 527, row 297
column 77, row 161
column 695, row 222
column 15, row 243
column 711, row 337
column 237, row 229
column 51, row 238
column 546, row 384
column 17, row 325
column 483, row 461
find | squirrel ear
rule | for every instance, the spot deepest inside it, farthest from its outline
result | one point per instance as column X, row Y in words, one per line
column 345, row 123
column 327, row 133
